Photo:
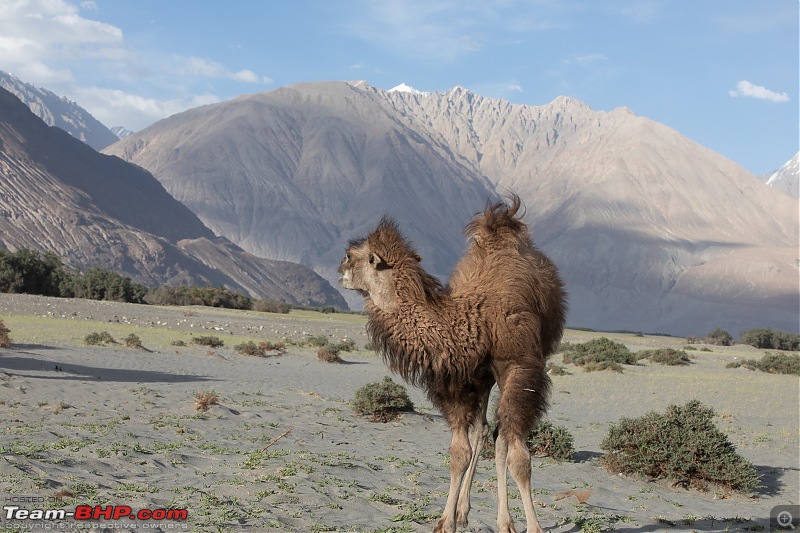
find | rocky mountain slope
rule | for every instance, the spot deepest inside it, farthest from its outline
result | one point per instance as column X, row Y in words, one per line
column 652, row 231
column 59, row 111
column 58, row 194
column 787, row 178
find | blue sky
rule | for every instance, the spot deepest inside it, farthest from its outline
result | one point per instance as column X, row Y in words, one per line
column 722, row 72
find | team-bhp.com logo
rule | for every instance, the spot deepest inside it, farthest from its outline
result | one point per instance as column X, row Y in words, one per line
column 94, row 512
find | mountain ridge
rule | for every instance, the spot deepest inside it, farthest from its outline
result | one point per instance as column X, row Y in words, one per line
column 94, row 210
column 645, row 224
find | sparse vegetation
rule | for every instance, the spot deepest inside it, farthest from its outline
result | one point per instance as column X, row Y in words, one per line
column 665, row 356
column 773, row 363
column 316, row 341
column 208, row 340
column 192, row 295
column 204, row 400
column 769, row 338
column 329, row 353
column 682, row 445
column 598, row 354
column 261, row 349
column 382, row 401
column 132, row 341
column 720, row 337
column 547, row 439
column 5, row 340
column 102, row 338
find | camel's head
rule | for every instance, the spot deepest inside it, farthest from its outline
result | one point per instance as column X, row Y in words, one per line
column 368, row 264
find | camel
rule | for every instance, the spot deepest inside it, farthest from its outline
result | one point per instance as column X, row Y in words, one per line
column 498, row 320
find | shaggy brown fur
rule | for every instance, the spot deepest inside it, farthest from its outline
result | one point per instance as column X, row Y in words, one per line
column 499, row 319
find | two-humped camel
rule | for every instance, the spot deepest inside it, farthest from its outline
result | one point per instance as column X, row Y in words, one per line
column 499, row 319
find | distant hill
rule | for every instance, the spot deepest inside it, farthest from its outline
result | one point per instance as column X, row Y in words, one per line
column 787, row 178
column 652, row 231
column 58, row 194
column 59, row 111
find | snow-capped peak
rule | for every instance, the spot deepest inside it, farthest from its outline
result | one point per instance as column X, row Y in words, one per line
column 403, row 88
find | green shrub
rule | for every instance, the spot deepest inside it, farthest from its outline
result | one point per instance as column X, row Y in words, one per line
column 29, row 272
column 99, row 339
column 98, row 284
column 271, row 306
column 317, row 341
column 773, row 363
column 598, row 354
column 719, row 337
column 770, row 338
column 260, row 350
column 132, row 341
column 665, row 356
column 682, row 445
column 557, row 370
column 5, row 340
column 329, row 353
column 382, row 401
column 547, row 439
column 207, row 340
column 207, row 296
column 346, row 345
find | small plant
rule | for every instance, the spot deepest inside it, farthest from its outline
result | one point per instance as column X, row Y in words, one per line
column 347, row 345
column 382, row 401
column 557, row 370
column 204, row 400
column 178, row 343
column 5, row 340
column 598, row 354
column 682, row 445
column 317, row 341
column 665, row 356
column 210, row 341
column 547, row 439
column 773, row 363
column 133, row 341
column 99, row 339
column 261, row 349
column 329, row 353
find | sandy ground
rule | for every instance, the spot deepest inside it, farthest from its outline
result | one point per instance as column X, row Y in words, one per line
column 283, row 450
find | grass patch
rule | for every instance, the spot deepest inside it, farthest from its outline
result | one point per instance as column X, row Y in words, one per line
column 682, row 445
column 382, row 401
column 772, row 363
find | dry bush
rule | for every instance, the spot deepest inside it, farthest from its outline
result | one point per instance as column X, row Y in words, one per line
column 133, row 341
column 772, row 363
column 329, row 353
column 208, row 340
column 99, row 339
column 204, row 400
column 261, row 349
column 598, row 354
column 665, row 356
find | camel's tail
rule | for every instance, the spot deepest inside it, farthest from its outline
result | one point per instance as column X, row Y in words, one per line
column 496, row 218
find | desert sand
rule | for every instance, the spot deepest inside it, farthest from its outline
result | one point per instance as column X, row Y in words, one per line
column 283, row 450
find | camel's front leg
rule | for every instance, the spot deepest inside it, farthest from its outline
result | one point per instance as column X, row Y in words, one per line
column 479, row 431
column 460, row 455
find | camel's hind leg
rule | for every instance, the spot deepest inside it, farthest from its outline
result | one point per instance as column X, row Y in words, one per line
column 523, row 399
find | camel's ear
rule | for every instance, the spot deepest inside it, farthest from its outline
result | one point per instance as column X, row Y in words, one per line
column 376, row 261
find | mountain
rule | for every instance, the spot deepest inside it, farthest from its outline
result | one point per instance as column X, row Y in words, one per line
column 58, row 194
column 121, row 132
column 651, row 231
column 787, row 178
column 59, row 111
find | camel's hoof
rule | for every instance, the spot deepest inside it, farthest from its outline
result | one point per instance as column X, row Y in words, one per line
column 441, row 527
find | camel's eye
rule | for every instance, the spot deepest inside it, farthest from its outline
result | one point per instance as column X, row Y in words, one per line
column 347, row 257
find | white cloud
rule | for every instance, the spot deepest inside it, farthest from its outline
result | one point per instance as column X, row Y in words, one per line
column 747, row 89
column 114, row 107
column 198, row 66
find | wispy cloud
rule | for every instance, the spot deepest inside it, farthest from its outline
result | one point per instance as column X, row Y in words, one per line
column 198, row 66
column 585, row 59
column 749, row 90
